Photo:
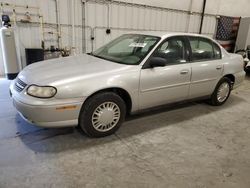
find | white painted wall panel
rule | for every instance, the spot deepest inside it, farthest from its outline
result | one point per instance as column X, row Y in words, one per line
column 194, row 24
column 220, row 7
column 209, row 25
column 122, row 18
column 1, row 65
column 88, row 40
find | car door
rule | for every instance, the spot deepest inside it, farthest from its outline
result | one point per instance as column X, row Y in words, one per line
column 206, row 64
column 169, row 83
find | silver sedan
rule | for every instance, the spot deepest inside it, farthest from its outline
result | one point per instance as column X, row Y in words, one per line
column 131, row 73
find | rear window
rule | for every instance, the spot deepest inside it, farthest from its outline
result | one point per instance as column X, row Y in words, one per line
column 217, row 51
column 204, row 49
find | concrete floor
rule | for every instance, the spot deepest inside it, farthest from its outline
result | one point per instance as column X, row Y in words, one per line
column 190, row 145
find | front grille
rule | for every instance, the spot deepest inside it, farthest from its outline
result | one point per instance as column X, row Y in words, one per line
column 19, row 85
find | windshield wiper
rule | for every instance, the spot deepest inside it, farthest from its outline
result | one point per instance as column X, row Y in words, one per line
column 97, row 56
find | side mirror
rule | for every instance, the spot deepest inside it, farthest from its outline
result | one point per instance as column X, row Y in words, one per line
column 246, row 60
column 248, row 65
column 157, row 62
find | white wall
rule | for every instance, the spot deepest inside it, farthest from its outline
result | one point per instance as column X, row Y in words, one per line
column 122, row 18
column 220, row 7
column 127, row 17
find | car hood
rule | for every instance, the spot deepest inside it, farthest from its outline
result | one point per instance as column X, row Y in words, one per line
column 51, row 71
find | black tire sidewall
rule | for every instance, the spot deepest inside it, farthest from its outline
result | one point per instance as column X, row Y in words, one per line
column 247, row 69
column 85, row 118
column 214, row 100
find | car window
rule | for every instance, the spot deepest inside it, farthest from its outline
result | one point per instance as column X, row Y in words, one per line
column 127, row 49
column 202, row 49
column 150, row 43
column 217, row 51
column 173, row 50
column 122, row 46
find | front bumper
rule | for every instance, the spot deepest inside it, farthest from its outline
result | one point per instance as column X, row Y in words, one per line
column 49, row 116
column 47, row 112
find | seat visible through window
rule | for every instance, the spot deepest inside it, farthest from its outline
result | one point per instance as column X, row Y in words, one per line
column 202, row 49
column 172, row 50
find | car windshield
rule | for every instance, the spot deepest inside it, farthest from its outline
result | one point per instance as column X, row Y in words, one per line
column 127, row 49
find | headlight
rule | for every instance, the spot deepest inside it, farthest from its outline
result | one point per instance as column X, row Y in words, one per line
column 41, row 91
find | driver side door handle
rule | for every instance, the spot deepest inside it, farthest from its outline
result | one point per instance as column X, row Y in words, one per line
column 219, row 67
column 184, row 72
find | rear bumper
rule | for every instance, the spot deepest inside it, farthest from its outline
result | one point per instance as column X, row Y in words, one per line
column 239, row 78
column 60, row 115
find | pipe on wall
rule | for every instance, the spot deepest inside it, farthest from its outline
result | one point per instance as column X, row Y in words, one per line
column 202, row 15
column 189, row 16
column 108, row 15
column 58, row 22
column 73, row 26
column 146, row 6
column 83, row 27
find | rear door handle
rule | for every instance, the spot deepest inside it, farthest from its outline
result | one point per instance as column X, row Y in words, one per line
column 184, row 71
column 219, row 67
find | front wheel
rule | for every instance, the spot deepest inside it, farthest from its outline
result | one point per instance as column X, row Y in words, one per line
column 247, row 69
column 221, row 92
column 102, row 114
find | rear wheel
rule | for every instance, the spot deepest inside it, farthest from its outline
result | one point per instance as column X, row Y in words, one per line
column 102, row 114
column 221, row 92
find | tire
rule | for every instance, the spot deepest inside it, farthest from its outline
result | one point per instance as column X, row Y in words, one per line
column 247, row 69
column 102, row 114
column 215, row 100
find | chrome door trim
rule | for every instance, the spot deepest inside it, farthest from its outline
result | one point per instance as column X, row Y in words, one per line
column 164, row 87
column 205, row 80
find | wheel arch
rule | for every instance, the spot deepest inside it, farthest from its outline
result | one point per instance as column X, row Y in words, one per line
column 124, row 94
column 230, row 77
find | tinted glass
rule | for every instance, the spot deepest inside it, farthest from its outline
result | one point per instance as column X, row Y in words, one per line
column 127, row 49
column 217, row 51
column 202, row 49
column 173, row 50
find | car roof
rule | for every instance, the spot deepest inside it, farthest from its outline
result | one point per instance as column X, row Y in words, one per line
column 164, row 34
